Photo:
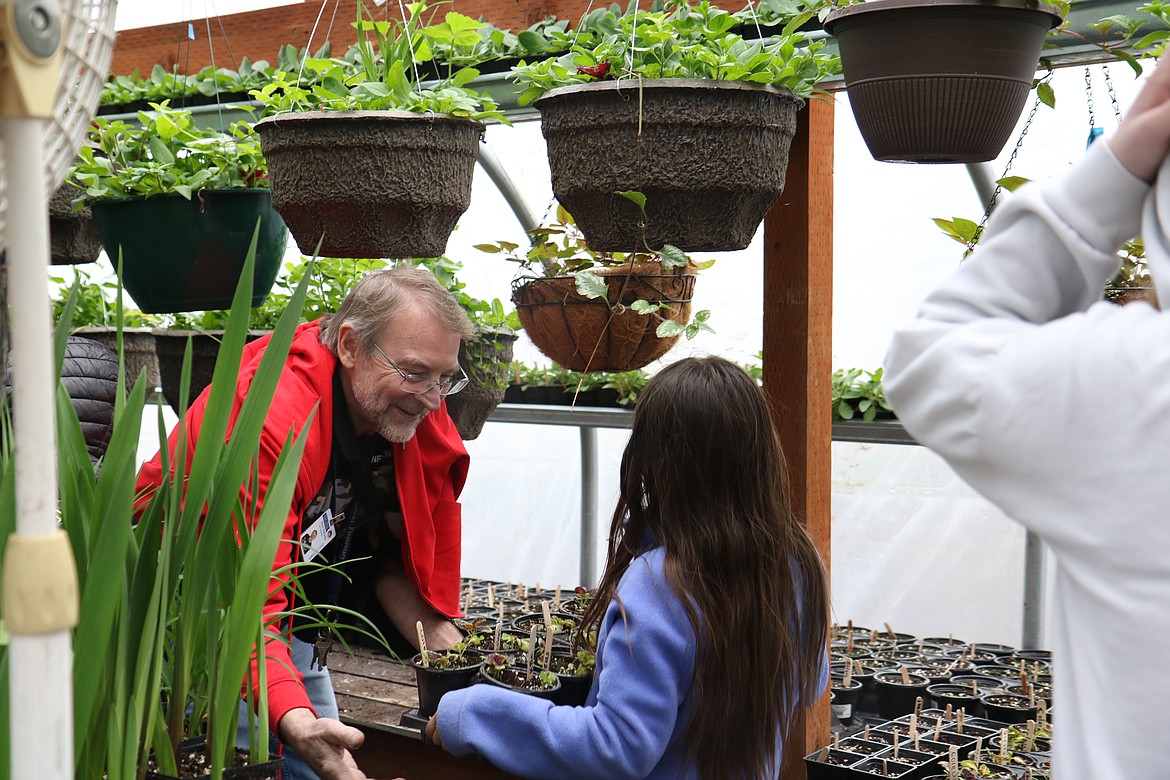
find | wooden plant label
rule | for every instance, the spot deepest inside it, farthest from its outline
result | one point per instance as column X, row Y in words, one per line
column 848, row 679
column 422, row 644
column 498, row 637
column 905, row 676
column 546, row 657
column 1003, row 746
column 491, row 602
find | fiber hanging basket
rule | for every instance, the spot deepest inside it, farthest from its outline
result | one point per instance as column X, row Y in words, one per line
column 373, row 183
column 939, row 81
column 710, row 156
column 583, row 334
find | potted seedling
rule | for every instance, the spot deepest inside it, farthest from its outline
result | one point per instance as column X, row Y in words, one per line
column 599, row 311
column 675, row 104
column 529, row 679
column 369, row 162
column 200, row 193
column 439, row 672
column 897, row 691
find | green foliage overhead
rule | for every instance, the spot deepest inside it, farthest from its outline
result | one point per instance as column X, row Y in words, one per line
column 165, row 153
column 685, row 40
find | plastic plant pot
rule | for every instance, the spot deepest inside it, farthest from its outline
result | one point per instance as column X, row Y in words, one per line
column 516, row 678
column 863, row 747
column 845, row 699
column 830, row 764
column 434, row 682
column 1008, row 707
column 958, row 696
column 897, row 692
column 883, row 767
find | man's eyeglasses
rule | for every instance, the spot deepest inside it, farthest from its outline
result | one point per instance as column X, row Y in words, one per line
column 420, row 385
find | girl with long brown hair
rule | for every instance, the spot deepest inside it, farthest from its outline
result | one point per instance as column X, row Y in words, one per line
column 711, row 616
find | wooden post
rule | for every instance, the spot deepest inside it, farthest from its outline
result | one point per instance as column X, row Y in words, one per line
column 797, row 355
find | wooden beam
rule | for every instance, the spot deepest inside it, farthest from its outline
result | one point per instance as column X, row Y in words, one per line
column 797, row 354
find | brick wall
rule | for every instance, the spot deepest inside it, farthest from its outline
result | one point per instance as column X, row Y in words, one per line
column 259, row 34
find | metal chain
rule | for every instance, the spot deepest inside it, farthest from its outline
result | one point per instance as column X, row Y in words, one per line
column 1011, row 161
column 1112, row 93
column 1089, row 97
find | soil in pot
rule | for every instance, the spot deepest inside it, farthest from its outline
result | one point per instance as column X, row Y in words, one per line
column 517, row 678
column 194, row 764
column 883, row 767
column 863, row 747
column 830, row 764
column 436, row 680
column 963, row 697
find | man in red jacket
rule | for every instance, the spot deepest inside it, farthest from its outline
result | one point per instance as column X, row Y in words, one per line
column 377, row 492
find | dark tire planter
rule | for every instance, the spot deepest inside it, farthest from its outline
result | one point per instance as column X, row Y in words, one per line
column 433, row 683
column 583, row 334
column 170, row 345
column 187, row 255
column 73, row 236
column 370, row 183
column 710, row 156
column 939, row 81
column 487, row 361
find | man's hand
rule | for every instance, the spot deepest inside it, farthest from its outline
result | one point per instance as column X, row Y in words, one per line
column 400, row 601
column 323, row 743
column 1142, row 140
column 432, row 731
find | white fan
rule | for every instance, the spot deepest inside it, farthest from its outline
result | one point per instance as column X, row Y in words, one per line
column 54, row 55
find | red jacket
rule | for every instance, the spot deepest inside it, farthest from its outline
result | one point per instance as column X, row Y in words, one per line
column 430, row 470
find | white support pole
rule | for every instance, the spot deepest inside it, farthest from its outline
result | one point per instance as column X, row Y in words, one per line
column 40, row 662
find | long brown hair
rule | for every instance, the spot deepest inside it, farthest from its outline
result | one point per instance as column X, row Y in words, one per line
column 704, row 476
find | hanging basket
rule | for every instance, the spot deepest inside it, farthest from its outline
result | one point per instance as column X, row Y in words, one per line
column 187, row 255
column 370, row 184
column 73, row 236
column 486, row 359
column 584, row 334
column 710, row 157
column 939, row 81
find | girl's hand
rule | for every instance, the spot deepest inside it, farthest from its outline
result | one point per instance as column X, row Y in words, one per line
column 432, row 731
column 1142, row 140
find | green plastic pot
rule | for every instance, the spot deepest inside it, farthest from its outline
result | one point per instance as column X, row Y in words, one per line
column 187, row 255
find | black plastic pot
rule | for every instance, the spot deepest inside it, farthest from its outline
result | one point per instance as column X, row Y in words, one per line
column 574, row 687
column 831, row 764
column 895, row 697
column 1008, row 707
column 433, row 682
column 845, row 699
column 187, row 255
column 269, row 770
column 883, row 767
column 958, row 697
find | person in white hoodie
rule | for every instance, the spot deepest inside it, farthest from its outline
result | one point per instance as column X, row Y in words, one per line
column 1056, row 407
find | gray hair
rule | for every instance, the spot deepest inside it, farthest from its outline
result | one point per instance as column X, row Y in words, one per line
column 380, row 295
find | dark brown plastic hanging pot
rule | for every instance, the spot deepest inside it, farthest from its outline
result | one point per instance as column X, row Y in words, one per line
column 939, row 81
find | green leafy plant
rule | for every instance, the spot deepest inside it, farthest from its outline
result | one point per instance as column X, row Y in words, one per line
column 560, row 250
column 859, row 393
column 170, row 606
column 96, row 303
column 380, row 72
column 165, row 153
column 684, row 40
